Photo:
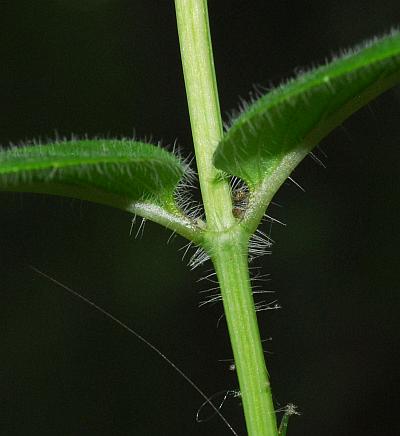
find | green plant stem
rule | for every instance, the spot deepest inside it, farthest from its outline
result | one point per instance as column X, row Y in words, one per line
column 225, row 241
column 205, row 116
column 230, row 261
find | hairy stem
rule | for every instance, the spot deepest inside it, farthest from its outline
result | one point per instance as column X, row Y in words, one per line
column 230, row 260
column 225, row 241
column 205, row 116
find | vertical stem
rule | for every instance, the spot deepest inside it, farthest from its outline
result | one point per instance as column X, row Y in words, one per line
column 230, row 261
column 226, row 242
column 205, row 116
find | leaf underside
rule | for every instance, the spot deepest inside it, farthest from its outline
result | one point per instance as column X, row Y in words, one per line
column 291, row 120
column 112, row 172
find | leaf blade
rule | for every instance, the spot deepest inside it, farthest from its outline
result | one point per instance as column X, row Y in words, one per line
column 120, row 171
column 293, row 118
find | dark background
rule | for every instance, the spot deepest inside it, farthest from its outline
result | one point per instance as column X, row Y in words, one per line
column 112, row 68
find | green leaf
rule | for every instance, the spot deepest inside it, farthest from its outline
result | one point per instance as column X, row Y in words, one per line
column 112, row 172
column 268, row 140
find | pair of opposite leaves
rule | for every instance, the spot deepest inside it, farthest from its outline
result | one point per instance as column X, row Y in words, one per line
column 265, row 141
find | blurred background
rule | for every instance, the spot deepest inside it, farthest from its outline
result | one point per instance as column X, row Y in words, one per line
column 111, row 68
